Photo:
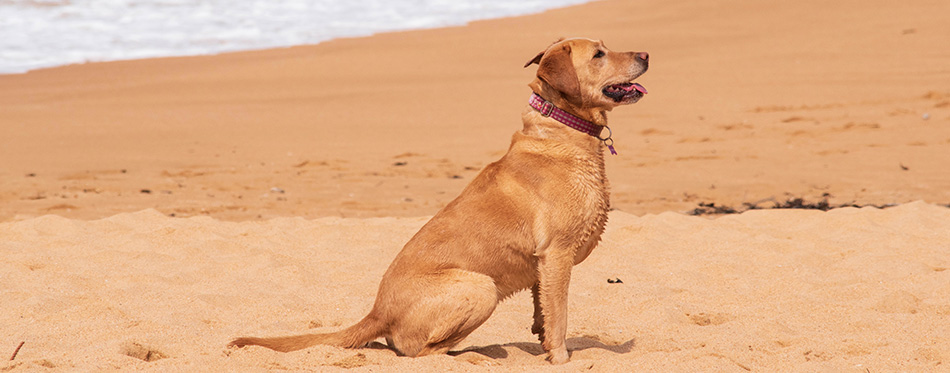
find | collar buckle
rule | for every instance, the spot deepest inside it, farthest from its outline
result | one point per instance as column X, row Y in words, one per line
column 546, row 108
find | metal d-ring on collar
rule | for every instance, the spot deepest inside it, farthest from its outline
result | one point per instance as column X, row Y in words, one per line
column 608, row 140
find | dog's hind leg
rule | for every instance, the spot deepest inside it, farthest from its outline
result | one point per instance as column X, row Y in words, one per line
column 538, row 326
column 456, row 302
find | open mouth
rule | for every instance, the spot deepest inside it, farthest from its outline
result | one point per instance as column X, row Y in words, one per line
column 625, row 92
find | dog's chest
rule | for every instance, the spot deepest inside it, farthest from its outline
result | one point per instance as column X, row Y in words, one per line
column 591, row 186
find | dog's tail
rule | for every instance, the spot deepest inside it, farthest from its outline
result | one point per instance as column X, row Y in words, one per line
column 357, row 335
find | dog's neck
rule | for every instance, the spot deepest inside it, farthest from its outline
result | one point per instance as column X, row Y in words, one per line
column 595, row 115
column 548, row 109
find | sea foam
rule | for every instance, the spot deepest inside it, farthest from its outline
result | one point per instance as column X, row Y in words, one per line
column 45, row 33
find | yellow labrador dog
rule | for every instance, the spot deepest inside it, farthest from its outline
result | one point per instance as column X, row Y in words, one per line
column 522, row 223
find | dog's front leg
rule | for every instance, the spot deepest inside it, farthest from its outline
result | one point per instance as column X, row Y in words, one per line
column 554, row 269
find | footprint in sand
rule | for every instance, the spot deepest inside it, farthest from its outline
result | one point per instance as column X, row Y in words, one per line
column 898, row 302
column 354, row 361
column 706, row 319
column 141, row 352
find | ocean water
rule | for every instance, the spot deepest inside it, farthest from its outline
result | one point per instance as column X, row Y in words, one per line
column 44, row 33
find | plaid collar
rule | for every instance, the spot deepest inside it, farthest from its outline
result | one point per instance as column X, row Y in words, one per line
column 546, row 108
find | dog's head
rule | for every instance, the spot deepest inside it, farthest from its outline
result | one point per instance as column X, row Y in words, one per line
column 587, row 75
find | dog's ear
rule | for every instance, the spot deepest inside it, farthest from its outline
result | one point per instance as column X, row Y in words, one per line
column 557, row 69
column 536, row 59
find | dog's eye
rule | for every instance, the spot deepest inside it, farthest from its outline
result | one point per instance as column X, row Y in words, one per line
column 599, row 54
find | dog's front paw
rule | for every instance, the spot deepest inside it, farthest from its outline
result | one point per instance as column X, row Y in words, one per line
column 558, row 356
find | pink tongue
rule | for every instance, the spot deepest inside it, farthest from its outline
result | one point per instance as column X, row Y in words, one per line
column 636, row 86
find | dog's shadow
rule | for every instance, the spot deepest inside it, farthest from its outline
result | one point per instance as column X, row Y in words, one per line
column 573, row 344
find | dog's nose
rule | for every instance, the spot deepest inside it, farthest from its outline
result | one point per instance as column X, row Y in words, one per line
column 644, row 56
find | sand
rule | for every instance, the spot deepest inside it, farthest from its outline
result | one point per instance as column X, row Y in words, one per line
column 150, row 210
column 845, row 290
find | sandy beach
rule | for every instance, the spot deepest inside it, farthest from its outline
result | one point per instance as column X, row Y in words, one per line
column 152, row 209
